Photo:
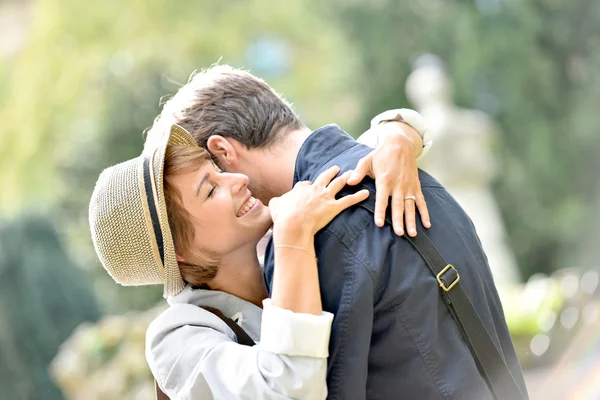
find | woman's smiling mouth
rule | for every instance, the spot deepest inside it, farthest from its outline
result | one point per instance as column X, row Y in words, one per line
column 247, row 206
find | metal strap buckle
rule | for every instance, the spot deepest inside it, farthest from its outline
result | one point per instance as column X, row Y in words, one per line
column 443, row 285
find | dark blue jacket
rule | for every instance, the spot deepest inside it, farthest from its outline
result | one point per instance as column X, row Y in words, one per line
column 392, row 336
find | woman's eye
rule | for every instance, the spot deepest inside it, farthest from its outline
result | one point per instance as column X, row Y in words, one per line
column 211, row 192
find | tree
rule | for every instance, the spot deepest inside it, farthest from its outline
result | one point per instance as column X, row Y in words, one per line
column 90, row 79
column 534, row 65
column 43, row 297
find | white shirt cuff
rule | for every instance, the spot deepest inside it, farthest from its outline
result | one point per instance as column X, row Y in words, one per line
column 295, row 334
column 412, row 118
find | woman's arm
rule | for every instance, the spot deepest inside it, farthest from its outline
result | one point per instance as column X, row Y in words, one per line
column 297, row 216
column 193, row 354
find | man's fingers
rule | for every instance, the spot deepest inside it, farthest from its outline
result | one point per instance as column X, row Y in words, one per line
column 409, row 215
column 361, row 170
column 424, row 211
column 327, row 175
column 353, row 199
column 382, row 195
column 398, row 212
column 338, row 183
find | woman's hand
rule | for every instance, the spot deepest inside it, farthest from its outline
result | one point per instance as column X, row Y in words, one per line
column 393, row 165
column 311, row 206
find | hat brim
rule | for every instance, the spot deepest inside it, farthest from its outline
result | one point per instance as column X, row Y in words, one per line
column 165, row 249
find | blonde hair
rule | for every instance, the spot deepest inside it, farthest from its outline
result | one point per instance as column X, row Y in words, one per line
column 199, row 267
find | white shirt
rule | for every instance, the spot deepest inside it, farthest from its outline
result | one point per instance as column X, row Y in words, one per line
column 193, row 354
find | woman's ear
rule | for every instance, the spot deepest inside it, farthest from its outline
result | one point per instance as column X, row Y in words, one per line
column 179, row 258
column 223, row 150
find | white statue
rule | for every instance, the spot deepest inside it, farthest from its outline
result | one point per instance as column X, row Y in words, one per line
column 462, row 160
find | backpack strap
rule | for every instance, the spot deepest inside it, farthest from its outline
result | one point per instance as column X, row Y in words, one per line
column 242, row 338
column 489, row 360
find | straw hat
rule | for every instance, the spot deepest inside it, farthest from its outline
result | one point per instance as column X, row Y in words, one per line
column 128, row 219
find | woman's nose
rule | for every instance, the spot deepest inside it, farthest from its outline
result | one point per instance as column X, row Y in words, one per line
column 240, row 182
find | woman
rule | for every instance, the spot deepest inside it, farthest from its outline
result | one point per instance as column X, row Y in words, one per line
column 150, row 217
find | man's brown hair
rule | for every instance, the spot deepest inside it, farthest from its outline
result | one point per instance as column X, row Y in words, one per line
column 199, row 267
column 229, row 102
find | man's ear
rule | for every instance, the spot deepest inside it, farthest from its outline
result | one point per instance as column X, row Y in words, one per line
column 223, row 150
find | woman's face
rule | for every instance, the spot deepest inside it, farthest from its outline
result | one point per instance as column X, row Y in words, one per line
column 224, row 214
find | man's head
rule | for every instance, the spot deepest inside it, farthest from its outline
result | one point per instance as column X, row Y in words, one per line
column 242, row 121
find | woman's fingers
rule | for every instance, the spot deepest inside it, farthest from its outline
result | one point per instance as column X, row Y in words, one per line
column 303, row 183
column 352, row 199
column 326, row 176
column 363, row 168
column 338, row 183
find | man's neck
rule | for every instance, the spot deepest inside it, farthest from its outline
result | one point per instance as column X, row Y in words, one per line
column 276, row 164
column 287, row 152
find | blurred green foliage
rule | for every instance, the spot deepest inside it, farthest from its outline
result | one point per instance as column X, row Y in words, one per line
column 534, row 66
column 43, row 297
column 88, row 83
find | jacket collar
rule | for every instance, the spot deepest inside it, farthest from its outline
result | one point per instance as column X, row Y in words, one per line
column 318, row 149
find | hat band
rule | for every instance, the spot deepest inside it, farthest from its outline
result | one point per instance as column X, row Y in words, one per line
column 153, row 212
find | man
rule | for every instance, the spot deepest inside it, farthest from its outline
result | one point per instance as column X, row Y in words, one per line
column 393, row 336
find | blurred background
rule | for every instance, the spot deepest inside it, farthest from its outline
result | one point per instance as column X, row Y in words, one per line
column 511, row 89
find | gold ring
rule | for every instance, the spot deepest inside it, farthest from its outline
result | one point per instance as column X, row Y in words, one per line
column 413, row 198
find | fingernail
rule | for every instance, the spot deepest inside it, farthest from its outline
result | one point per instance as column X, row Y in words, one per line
column 413, row 232
column 379, row 221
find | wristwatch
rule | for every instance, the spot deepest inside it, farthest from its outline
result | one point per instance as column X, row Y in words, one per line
column 410, row 117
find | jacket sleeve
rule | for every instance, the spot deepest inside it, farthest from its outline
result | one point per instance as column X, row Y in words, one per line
column 194, row 355
column 406, row 115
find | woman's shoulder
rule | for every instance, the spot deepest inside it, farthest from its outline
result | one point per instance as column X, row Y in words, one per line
column 187, row 315
column 179, row 339
column 187, row 309
column 244, row 313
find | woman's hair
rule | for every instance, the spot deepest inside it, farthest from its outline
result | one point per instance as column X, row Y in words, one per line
column 199, row 266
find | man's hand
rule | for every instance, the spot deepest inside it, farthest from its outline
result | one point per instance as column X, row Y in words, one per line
column 393, row 165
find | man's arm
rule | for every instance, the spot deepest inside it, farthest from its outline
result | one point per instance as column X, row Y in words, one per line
column 393, row 132
column 405, row 122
